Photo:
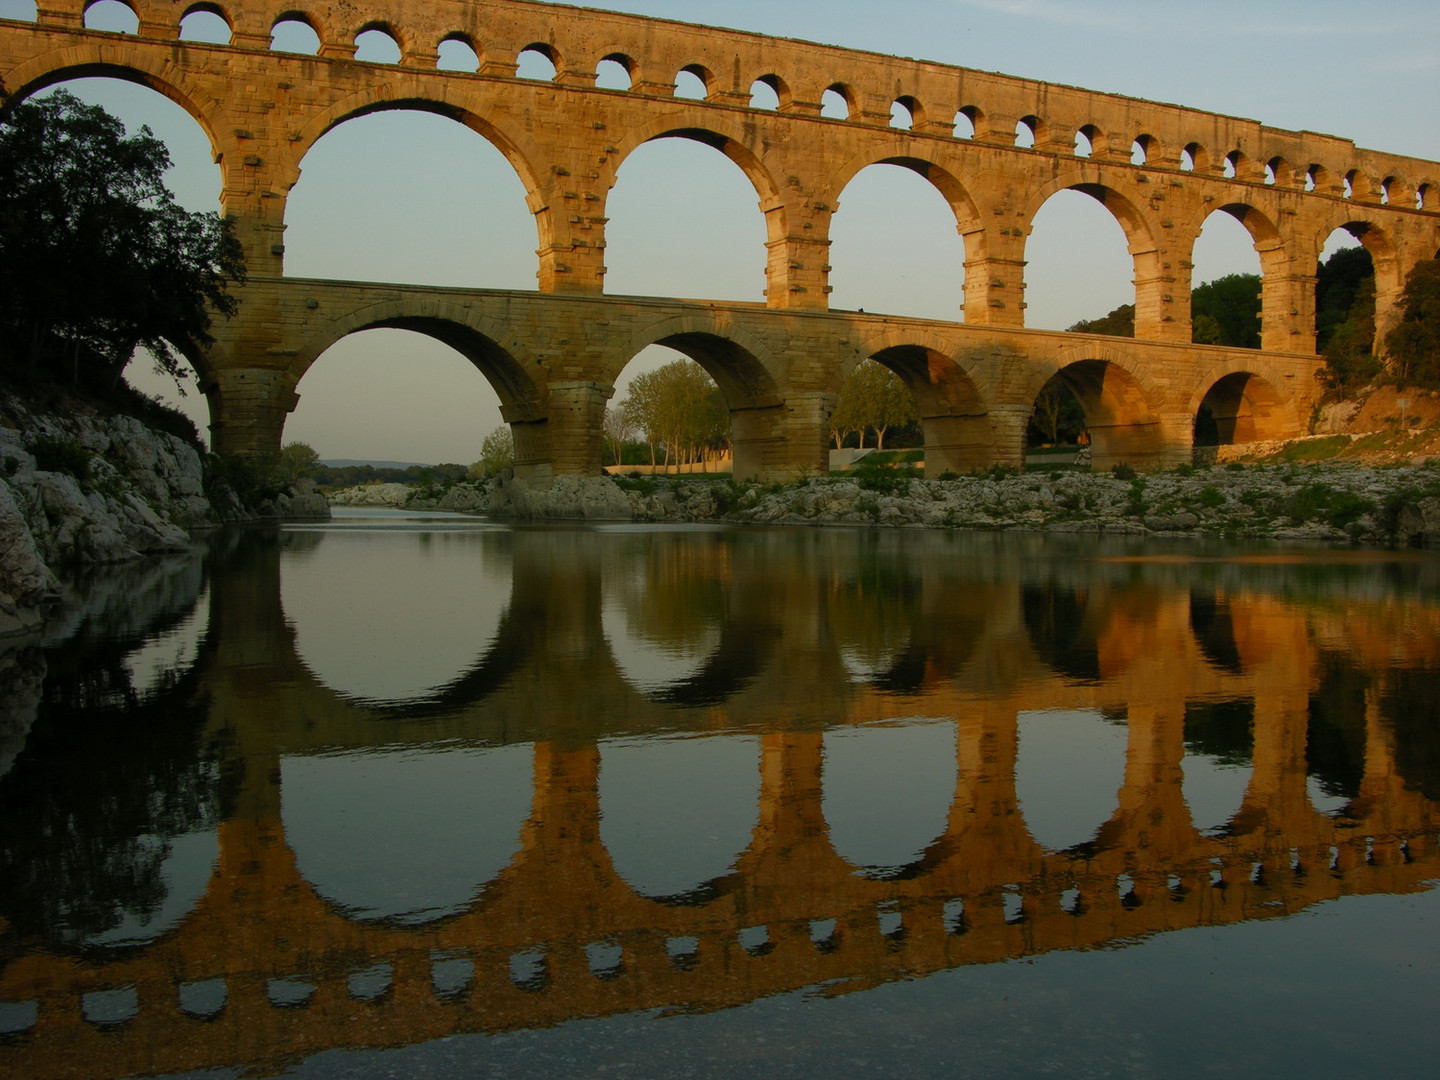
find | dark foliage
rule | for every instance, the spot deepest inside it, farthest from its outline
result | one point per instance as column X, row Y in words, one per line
column 96, row 258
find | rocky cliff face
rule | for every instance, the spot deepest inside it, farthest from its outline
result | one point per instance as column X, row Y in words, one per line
column 89, row 489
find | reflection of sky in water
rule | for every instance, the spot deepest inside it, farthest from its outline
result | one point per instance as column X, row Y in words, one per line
column 865, row 664
column 1322, row 800
column 186, row 871
column 168, row 655
column 652, row 663
column 888, row 789
column 406, row 835
column 390, row 615
column 676, row 813
column 1214, row 790
column 1068, row 772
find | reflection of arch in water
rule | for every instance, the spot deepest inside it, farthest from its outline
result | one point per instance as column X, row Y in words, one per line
column 369, row 848
column 1069, row 767
column 1055, row 617
column 677, row 814
column 1216, row 769
column 887, row 793
column 398, row 615
column 1214, row 632
column 667, row 620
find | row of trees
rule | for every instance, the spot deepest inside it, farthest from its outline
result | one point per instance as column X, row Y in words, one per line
column 677, row 411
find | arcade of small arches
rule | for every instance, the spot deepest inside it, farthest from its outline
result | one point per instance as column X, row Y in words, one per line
column 567, row 138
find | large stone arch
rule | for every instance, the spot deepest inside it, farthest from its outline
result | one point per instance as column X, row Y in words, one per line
column 734, row 140
column 1247, row 402
column 748, row 375
column 969, row 222
column 1141, row 234
column 504, row 361
column 518, row 149
column 1390, row 269
column 1121, row 402
column 1275, row 259
column 952, row 398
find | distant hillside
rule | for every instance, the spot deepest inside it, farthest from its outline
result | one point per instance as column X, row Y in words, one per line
column 351, row 463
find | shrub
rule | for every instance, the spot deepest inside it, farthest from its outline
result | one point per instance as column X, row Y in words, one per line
column 53, row 453
column 1211, row 497
column 1122, row 470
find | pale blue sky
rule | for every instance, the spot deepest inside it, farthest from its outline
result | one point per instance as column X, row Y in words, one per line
column 360, row 205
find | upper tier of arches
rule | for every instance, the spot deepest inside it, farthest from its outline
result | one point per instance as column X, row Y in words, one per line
column 925, row 98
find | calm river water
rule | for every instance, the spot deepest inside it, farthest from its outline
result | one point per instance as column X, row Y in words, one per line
column 431, row 797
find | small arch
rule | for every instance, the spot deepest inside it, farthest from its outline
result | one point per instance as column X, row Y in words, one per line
column 694, row 82
column 1143, row 149
column 1194, row 158
column 1386, row 186
column 967, row 122
column 1279, row 172
column 295, row 32
column 113, row 16
column 615, row 71
column 205, row 23
column 1349, row 184
column 905, row 113
column 1235, row 163
column 1425, row 197
column 457, row 52
column 837, row 102
column 1088, row 141
column 1027, row 132
column 772, row 91
column 763, row 96
column 376, row 43
column 538, row 61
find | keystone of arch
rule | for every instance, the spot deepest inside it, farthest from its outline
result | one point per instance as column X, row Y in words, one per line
column 753, row 384
column 504, row 361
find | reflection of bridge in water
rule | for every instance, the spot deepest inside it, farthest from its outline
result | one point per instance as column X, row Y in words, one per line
column 559, row 933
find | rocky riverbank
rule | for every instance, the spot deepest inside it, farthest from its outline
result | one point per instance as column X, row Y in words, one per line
column 86, row 489
column 1344, row 503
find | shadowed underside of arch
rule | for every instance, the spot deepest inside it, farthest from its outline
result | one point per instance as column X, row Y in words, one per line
column 953, row 415
column 1247, row 408
column 1118, row 414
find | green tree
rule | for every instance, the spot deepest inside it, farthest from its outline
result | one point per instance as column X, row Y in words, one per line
column 678, row 407
column 497, row 452
column 1226, row 311
column 1339, row 283
column 1414, row 345
column 96, row 258
column 872, row 399
column 297, row 459
column 1118, row 323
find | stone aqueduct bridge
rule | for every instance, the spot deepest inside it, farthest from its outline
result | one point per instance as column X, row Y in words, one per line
column 983, row 891
column 553, row 356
